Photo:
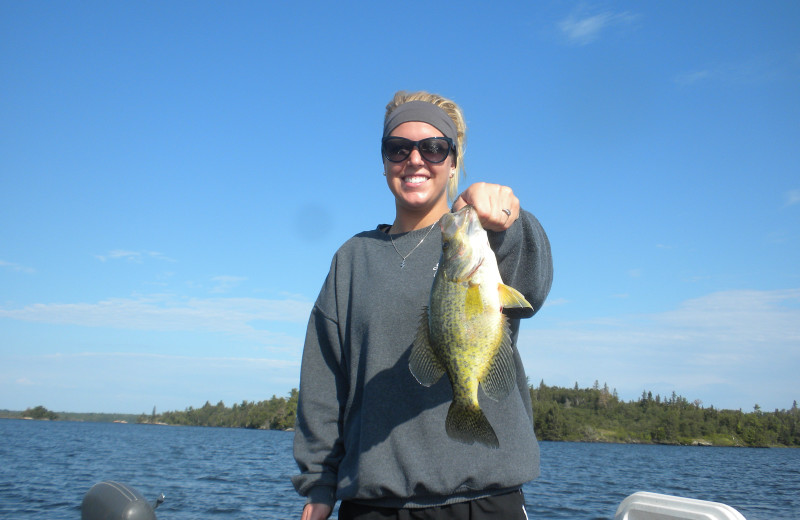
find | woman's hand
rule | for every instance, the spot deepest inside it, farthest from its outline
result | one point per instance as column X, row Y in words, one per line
column 497, row 206
column 316, row 512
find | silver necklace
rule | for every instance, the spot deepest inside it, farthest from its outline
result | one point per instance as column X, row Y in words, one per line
column 403, row 263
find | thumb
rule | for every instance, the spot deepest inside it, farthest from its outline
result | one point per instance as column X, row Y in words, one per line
column 459, row 203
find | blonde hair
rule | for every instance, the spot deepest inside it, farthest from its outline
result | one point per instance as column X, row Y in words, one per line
column 452, row 110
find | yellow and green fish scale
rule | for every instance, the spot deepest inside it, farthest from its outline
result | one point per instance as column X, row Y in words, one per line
column 465, row 336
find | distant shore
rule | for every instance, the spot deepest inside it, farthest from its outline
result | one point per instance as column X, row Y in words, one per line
column 598, row 439
column 560, row 414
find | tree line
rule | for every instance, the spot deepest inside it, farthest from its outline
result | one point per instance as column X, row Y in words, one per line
column 593, row 414
column 277, row 413
column 566, row 414
column 598, row 415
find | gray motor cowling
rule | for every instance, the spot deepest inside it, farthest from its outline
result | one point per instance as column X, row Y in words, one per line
column 114, row 501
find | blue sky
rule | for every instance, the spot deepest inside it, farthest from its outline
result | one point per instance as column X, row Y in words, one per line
column 176, row 176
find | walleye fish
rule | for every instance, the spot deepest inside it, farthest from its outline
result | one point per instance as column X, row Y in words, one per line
column 463, row 332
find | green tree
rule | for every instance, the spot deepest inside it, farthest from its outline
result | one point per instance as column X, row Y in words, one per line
column 40, row 412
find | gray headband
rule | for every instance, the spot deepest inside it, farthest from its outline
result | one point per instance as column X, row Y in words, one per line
column 424, row 112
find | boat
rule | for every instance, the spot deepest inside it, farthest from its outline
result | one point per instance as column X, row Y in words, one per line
column 111, row 500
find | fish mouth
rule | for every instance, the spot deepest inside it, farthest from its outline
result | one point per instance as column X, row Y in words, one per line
column 463, row 219
column 473, row 223
column 458, row 229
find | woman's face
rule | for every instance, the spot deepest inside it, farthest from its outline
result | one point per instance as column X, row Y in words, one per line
column 417, row 184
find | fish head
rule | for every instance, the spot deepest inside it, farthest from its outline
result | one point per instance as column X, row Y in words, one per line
column 464, row 244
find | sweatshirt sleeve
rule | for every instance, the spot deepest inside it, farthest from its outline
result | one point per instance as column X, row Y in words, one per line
column 318, row 447
column 525, row 261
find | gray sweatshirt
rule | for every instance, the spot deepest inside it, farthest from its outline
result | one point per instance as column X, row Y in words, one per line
column 366, row 429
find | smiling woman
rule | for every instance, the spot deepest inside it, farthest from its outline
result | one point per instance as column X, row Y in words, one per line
column 418, row 184
column 423, row 142
column 367, row 432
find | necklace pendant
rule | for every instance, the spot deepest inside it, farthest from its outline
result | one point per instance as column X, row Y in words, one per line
column 403, row 263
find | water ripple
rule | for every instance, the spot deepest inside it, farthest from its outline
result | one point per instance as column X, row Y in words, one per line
column 209, row 473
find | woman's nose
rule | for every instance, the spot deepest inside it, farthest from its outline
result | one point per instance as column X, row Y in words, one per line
column 415, row 157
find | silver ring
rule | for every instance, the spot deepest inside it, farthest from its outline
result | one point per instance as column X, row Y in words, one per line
column 507, row 212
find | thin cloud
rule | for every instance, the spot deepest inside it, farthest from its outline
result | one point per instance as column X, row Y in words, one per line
column 132, row 256
column 705, row 348
column 147, row 357
column 165, row 313
column 747, row 71
column 686, row 79
column 17, row 267
column 226, row 283
column 792, row 197
column 93, row 381
column 555, row 302
column 581, row 28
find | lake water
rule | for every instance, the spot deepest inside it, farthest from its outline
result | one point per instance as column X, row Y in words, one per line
column 216, row 473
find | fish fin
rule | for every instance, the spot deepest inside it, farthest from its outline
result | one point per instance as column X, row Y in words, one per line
column 423, row 363
column 469, row 425
column 502, row 374
column 510, row 297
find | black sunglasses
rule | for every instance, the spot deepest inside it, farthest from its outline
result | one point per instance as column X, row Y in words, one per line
column 432, row 149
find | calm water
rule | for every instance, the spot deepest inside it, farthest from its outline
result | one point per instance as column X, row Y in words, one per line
column 216, row 473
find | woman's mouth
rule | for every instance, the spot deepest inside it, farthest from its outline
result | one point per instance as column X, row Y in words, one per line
column 415, row 179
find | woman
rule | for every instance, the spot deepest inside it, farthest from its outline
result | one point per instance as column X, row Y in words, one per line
column 367, row 432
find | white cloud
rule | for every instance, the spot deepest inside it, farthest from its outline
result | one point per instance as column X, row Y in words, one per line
column 730, row 349
column 581, row 28
column 133, row 256
column 96, row 382
column 17, row 267
column 160, row 312
column 188, row 362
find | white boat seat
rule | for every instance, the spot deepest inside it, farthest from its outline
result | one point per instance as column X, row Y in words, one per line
column 653, row 506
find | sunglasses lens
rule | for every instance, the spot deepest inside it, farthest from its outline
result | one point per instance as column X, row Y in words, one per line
column 397, row 149
column 434, row 149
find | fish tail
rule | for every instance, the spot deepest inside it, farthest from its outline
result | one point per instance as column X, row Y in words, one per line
column 466, row 423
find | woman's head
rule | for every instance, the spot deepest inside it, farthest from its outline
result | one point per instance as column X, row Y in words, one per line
column 444, row 115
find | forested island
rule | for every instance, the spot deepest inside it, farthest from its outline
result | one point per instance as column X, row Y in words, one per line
column 560, row 414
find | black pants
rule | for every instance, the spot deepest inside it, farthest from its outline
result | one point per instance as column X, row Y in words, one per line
column 510, row 506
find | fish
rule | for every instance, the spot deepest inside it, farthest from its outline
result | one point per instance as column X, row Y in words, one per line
column 463, row 332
